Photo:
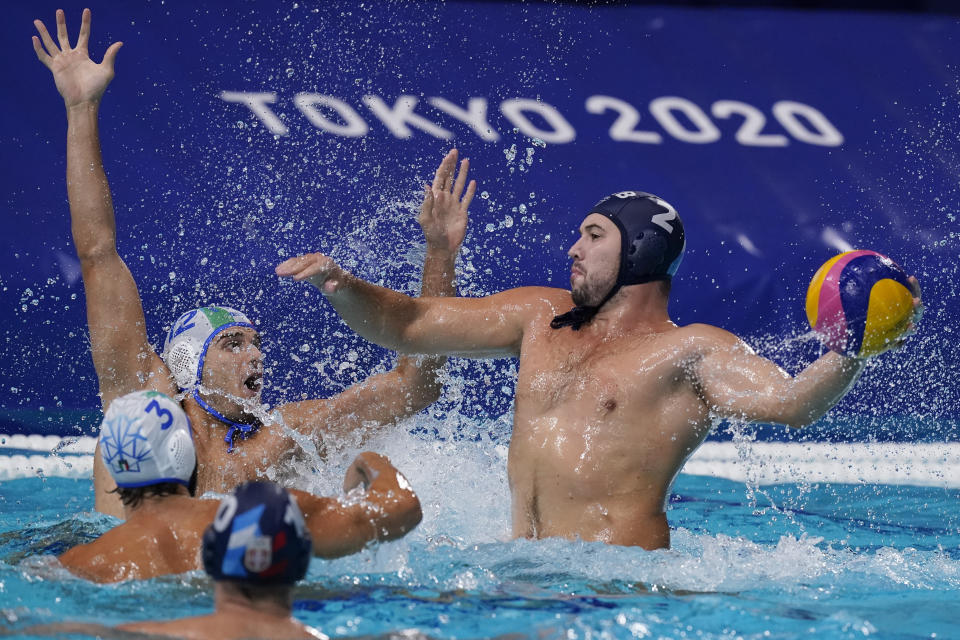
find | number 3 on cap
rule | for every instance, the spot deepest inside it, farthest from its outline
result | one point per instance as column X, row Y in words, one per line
column 163, row 414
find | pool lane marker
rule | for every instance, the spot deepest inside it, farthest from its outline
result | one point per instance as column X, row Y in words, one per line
column 934, row 464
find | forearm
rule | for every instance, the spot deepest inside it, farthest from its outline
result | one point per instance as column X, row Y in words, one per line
column 376, row 313
column 418, row 376
column 397, row 512
column 91, row 205
column 438, row 273
column 393, row 507
column 816, row 389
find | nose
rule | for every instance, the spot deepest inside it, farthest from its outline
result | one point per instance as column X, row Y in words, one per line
column 254, row 351
column 574, row 251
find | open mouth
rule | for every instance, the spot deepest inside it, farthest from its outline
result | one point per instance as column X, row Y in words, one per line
column 254, row 382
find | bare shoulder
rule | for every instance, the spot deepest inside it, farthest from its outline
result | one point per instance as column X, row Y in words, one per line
column 534, row 300
column 184, row 628
column 702, row 339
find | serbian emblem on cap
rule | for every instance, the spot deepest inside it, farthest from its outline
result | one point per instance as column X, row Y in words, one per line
column 259, row 554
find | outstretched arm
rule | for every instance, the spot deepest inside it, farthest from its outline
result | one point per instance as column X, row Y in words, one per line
column 736, row 383
column 121, row 352
column 379, row 505
column 431, row 324
column 122, row 356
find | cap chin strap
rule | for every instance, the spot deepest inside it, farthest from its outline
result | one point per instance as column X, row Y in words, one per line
column 245, row 430
column 578, row 316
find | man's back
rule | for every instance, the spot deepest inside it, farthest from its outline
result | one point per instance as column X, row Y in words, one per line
column 162, row 536
column 240, row 623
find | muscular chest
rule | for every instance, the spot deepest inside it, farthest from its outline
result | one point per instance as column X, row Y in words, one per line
column 219, row 470
column 599, row 377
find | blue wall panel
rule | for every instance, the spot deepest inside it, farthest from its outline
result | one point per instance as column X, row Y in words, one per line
column 781, row 137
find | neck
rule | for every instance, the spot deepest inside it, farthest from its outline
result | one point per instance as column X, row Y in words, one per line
column 228, row 430
column 634, row 306
column 152, row 504
column 274, row 601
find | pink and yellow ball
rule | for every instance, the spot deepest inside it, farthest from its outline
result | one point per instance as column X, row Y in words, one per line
column 859, row 303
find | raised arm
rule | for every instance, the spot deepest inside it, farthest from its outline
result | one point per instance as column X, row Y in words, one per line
column 122, row 355
column 736, row 383
column 412, row 385
column 380, row 505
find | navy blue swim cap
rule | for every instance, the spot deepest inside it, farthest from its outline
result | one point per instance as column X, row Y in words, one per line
column 652, row 243
column 651, row 236
column 258, row 537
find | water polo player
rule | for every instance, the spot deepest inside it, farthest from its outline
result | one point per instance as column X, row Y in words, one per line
column 612, row 396
column 147, row 447
column 256, row 549
column 214, row 352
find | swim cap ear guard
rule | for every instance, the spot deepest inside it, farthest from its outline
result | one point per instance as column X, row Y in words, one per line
column 258, row 537
column 145, row 439
column 652, row 243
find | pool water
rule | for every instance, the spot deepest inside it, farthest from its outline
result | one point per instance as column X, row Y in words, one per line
column 780, row 561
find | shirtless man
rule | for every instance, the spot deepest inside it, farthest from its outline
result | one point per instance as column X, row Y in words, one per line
column 212, row 354
column 148, row 449
column 256, row 547
column 612, row 396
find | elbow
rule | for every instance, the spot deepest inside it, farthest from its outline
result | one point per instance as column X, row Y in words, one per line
column 797, row 419
column 407, row 514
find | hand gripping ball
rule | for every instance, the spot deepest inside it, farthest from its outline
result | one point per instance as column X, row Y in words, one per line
column 859, row 303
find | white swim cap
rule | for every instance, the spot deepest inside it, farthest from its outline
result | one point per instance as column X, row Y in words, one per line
column 145, row 439
column 190, row 336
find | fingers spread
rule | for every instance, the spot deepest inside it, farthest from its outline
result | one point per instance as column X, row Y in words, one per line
column 45, row 36
column 111, row 55
column 62, row 30
column 441, row 179
column 461, row 178
column 468, row 198
column 427, row 205
column 84, row 36
column 41, row 54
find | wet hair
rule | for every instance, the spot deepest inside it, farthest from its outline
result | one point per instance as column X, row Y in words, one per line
column 133, row 497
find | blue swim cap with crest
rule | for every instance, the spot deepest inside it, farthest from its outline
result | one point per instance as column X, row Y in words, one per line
column 259, row 537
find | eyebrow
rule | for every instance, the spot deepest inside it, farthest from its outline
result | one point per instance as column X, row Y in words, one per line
column 227, row 336
column 593, row 226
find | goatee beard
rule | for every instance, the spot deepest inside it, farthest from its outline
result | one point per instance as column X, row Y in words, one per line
column 579, row 297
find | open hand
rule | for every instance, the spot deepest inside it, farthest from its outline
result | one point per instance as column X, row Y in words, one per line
column 321, row 271
column 443, row 215
column 78, row 78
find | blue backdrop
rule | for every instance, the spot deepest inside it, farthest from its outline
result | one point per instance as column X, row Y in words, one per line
column 237, row 134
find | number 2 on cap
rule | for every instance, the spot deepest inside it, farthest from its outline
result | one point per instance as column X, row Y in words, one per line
column 661, row 219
